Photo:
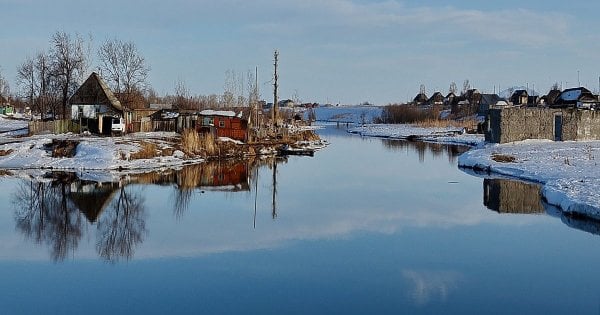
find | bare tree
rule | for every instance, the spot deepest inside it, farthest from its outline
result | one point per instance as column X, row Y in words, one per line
column 126, row 68
column 466, row 86
column 26, row 79
column 453, row 89
column 68, row 63
column 4, row 87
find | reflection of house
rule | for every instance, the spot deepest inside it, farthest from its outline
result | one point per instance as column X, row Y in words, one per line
column 224, row 124
column 509, row 196
column 94, row 105
column 92, row 198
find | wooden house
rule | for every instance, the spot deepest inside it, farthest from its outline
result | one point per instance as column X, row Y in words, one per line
column 94, row 106
column 579, row 97
column 164, row 120
column 224, row 124
column 436, row 99
column 420, row 99
column 519, row 97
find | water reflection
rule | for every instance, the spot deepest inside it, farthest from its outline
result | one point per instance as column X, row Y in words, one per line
column 436, row 149
column 58, row 209
column 431, row 285
column 511, row 196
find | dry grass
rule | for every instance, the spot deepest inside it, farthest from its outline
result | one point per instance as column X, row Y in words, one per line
column 148, row 151
column 5, row 152
column 503, row 158
column 442, row 123
column 193, row 143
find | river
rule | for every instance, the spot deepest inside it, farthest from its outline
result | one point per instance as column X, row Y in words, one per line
column 366, row 226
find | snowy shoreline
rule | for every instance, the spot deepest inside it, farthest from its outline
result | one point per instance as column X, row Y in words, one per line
column 568, row 171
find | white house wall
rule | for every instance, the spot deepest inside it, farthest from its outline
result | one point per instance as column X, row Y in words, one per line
column 88, row 111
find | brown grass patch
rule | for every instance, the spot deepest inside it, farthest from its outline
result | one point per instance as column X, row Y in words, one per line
column 193, row 143
column 148, row 151
column 5, row 152
column 442, row 123
column 503, row 158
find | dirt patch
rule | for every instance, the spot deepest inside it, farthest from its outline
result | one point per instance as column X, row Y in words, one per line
column 5, row 152
column 62, row 148
column 503, row 158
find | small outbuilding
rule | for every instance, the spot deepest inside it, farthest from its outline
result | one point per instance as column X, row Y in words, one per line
column 224, row 124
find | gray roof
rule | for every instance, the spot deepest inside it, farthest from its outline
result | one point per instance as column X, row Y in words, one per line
column 95, row 91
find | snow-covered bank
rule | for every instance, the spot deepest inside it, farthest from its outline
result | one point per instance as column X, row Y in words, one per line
column 568, row 170
column 93, row 153
column 451, row 135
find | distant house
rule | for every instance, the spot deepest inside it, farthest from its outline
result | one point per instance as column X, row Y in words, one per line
column 449, row 99
column 224, row 123
column 164, row 120
column 550, row 98
column 95, row 106
column 519, row 97
column 436, row 99
column 286, row 103
column 420, row 99
column 579, row 97
column 488, row 101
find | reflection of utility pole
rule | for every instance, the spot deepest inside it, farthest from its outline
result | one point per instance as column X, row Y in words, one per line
column 274, row 213
column 255, row 193
column 275, row 87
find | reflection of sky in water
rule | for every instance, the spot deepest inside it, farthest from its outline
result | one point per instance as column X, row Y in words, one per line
column 430, row 285
column 360, row 228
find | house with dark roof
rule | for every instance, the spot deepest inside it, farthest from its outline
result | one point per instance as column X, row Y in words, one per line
column 579, row 97
column 436, row 99
column 519, row 97
column 550, row 98
column 488, row 101
column 420, row 99
column 95, row 107
column 449, row 99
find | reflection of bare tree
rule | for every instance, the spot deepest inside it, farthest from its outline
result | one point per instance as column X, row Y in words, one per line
column 44, row 213
column 122, row 226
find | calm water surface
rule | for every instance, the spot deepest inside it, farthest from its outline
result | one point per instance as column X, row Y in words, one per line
column 367, row 226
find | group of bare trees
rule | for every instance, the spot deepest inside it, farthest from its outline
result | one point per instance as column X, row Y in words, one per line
column 47, row 80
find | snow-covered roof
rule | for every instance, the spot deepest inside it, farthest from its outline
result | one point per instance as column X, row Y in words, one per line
column 226, row 113
column 571, row 95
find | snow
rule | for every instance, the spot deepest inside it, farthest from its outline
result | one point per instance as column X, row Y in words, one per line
column 571, row 95
column 11, row 124
column 94, row 156
column 451, row 135
column 210, row 112
column 352, row 114
column 568, row 170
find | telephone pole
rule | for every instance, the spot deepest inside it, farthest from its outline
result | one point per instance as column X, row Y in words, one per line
column 275, row 87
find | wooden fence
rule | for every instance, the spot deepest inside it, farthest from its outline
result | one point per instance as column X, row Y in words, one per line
column 55, row 126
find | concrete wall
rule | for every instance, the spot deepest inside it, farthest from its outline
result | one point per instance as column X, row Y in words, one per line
column 517, row 124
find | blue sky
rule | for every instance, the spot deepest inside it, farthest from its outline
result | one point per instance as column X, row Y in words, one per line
column 337, row 51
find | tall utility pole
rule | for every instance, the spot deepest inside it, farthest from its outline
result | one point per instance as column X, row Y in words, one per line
column 275, row 87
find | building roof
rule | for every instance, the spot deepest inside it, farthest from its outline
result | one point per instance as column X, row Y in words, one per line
column 491, row 99
column 573, row 95
column 94, row 91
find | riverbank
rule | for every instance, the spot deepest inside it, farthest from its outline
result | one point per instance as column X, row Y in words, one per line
column 93, row 156
column 567, row 170
column 450, row 135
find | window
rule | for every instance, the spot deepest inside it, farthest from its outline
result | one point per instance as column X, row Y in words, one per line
column 221, row 123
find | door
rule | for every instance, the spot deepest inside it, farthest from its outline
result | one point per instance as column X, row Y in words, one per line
column 558, row 130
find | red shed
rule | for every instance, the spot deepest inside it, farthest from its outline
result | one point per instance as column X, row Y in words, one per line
column 224, row 124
